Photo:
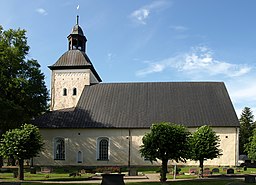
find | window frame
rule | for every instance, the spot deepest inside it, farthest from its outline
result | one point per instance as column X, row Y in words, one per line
column 78, row 159
column 99, row 148
column 63, row 156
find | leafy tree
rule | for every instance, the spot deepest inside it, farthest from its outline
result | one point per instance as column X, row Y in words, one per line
column 165, row 141
column 246, row 129
column 250, row 147
column 21, row 143
column 23, row 93
column 204, row 145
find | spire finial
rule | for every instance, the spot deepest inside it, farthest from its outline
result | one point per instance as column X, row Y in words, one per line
column 77, row 19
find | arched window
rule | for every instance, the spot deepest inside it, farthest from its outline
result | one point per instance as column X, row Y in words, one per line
column 103, row 149
column 74, row 91
column 59, row 148
column 65, row 92
column 79, row 157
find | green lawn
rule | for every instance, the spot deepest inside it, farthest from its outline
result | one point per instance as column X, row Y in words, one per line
column 45, row 177
column 201, row 182
column 193, row 182
column 61, row 174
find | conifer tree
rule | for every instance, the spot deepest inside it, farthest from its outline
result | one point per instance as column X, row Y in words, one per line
column 246, row 129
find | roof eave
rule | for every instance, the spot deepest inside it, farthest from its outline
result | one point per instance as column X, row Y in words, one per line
column 77, row 67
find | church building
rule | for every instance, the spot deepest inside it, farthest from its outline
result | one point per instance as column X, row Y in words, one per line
column 102, row 124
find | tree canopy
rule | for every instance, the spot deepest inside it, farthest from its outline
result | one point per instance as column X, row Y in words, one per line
column 204, row 145
column 250, row 147
column 165, row 141
column 23, row 93
column 246, row 129
column 21, row 143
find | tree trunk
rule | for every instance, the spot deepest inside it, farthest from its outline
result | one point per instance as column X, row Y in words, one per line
column 11, row 161
column 201, row 165
column 21, row 169
column 1, row 161
column 164, row 170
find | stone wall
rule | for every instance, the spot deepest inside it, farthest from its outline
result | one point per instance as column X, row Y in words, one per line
column 69, row 79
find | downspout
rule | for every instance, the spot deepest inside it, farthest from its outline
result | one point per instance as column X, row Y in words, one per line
column 237, row 146
column 129, row 149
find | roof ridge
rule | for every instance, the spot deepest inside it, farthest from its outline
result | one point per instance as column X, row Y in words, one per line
column 194, row 82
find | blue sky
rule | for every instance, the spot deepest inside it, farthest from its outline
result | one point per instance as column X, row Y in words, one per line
column 145, row 41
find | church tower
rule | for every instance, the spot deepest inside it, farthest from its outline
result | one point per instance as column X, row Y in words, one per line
column 72, row 72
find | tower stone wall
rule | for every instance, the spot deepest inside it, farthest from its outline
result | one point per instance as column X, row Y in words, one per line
column 74, row 81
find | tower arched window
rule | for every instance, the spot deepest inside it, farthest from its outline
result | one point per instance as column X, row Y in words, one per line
column 103, row 149
column 65, row 92
column 74, row 91
column 59, row 148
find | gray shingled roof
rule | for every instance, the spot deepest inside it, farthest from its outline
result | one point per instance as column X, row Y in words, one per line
column 75, row 59
column 138, row 105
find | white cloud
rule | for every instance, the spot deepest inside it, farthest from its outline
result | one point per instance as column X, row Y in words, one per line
column 200, row 61
column 111, row 57
column 243, row 89
column 243, row 92
column 179, row 28
column 141, row 15
column 156, row 67
column 200, row 64
column 41, row 11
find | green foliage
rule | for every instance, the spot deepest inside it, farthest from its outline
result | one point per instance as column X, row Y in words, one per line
column 250, row 147
column 246, row 129
column 22, row 88
column 23, row 143
column 165, row 141
column 204, row 145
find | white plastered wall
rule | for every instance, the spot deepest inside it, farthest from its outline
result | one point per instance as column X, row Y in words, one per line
column 85, row 140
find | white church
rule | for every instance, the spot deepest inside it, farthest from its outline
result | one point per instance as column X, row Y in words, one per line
column 102, row 124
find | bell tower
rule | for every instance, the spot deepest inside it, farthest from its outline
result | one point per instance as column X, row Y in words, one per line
column 76, row 38
column 72, row 72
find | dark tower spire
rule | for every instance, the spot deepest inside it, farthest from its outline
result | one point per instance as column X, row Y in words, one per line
column 76, row 38
column 77, row 19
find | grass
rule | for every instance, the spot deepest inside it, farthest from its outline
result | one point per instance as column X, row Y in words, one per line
column 189, row 182
column 192, row 182
column 62, row 174
column 45, row 177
